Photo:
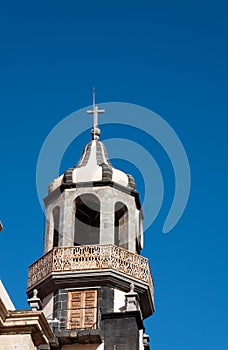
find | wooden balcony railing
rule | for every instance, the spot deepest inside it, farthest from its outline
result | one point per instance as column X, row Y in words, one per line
column 90, row 257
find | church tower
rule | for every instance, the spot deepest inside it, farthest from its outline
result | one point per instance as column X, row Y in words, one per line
column 95, row 287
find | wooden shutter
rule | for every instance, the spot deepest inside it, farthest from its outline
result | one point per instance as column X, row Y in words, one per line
column 82, row 309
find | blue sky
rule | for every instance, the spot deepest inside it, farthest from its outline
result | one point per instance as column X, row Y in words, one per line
column 168, row 56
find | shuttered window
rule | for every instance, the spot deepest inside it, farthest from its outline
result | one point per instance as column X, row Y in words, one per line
column 82, row 309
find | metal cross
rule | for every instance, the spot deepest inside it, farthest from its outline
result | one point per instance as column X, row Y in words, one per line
column 95, row 111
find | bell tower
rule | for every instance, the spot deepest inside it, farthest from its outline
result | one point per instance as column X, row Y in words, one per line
column 95, row 287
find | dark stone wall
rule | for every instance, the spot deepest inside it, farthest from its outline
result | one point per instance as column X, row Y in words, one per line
column 105, row 301
column 60, row 306
column 121, row 330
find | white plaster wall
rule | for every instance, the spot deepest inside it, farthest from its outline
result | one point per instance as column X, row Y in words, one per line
column 119, row 300
column 83, row 347
column 16, row 342
column 141, row 347
column 5, row 298
column 48, row 306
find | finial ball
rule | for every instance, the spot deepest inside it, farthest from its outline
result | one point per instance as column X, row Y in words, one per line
column 95, row 133
column 35, row 293
column 132, row 287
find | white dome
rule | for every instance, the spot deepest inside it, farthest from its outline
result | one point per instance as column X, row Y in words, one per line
column 94, row 166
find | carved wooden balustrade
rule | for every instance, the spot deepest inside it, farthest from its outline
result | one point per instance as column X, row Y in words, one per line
column 91, row 257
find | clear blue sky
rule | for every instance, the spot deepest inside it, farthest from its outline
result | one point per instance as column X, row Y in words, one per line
column 168, row 56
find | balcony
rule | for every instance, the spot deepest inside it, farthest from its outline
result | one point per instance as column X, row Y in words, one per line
column 90, row 257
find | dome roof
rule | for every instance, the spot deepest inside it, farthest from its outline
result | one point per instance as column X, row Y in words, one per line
column 94, row 166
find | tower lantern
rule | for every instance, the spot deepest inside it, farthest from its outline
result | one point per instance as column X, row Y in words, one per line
column 94, row 285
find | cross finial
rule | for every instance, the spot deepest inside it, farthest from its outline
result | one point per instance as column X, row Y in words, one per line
column 95, row 111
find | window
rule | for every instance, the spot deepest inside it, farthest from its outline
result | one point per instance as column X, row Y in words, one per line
column 82, row 309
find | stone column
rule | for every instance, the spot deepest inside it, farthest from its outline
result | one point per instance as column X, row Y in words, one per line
column 67, row 218
column 132, row 228
column 48, row 239
column 107, row 217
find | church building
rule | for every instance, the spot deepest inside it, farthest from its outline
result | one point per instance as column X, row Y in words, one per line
column 91, row 284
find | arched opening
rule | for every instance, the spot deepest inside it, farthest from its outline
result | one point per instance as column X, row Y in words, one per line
column 121, row 225
column 56, row 212
column 87, row 220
